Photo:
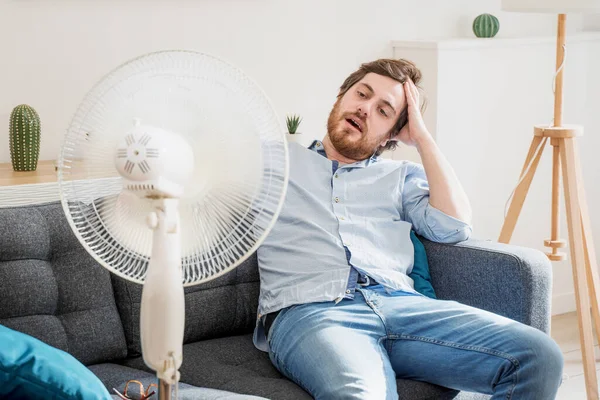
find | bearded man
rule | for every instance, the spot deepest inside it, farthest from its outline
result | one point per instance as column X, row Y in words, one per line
column 338, row 312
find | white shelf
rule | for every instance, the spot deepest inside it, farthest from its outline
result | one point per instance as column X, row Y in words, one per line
column 496, row 42
column 28, row 194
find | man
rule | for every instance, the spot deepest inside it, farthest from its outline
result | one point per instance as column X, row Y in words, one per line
column 338, row 312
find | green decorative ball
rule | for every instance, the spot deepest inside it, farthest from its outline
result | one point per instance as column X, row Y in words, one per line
column 24, row 138
column 486, row 26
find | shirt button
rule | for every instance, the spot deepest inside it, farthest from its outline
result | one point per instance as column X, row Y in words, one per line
column 341, row 218
column 318, row 144
column 337, row 176
column 337, row 199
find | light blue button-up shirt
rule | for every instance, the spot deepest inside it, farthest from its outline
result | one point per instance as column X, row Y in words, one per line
column 341, row 222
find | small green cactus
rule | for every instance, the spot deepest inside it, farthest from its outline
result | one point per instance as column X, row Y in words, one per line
column 293, row 121
column 486, row 26
column 24, row 138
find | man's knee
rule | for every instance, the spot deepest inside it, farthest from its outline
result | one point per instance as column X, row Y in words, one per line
column 543, row 356
column 537, row 364
column 552, row 357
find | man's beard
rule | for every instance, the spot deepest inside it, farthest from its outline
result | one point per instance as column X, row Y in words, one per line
column 340, row 135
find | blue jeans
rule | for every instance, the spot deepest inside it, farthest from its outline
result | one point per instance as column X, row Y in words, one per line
column 357, row 348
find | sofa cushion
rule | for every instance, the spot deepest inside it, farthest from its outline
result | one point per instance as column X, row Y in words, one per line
column 115, row 376
column 52, row 289
column 234, row 364
column 221, row 307
column 420, row 271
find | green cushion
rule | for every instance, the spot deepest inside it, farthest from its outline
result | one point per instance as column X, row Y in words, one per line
column 420, row 272
column 31, row 369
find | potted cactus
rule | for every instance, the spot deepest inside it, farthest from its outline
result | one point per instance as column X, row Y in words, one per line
column 486, row 26
column 293, row 122
column 24, row 138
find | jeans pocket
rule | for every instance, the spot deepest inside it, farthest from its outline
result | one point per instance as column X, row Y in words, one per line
column 274, row 344
column 274, row 324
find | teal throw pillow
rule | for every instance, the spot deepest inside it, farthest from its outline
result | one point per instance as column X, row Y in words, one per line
column 31, row 369
column 420, row 272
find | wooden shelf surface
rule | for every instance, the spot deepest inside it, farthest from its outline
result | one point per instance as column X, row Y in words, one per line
column 45, row 173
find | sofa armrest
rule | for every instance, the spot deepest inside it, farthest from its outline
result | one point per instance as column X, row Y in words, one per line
column 508, row 280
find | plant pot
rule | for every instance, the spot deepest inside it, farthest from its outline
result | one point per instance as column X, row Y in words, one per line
column 293, row 137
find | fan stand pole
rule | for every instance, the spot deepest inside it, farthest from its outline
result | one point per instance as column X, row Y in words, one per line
column 164, row 390
column 162, row 310
column 583, row 257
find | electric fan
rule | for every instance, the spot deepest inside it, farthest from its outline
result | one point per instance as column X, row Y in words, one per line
column 172, row 172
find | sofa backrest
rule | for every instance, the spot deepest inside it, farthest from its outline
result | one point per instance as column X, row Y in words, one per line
column 52, row 289
column 221, row 307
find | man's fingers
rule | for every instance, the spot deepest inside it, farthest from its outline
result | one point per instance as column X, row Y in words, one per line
column 415, row 92
column 409, row 93
column 412, row 93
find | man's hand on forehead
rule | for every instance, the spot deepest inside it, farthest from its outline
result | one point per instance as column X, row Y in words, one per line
column 414, row 131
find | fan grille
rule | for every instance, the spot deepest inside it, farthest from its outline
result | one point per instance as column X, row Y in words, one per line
column 240, row 172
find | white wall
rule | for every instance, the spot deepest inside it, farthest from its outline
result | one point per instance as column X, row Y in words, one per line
column 299, row 52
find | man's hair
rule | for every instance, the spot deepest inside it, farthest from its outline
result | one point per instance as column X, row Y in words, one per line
column 398, row 69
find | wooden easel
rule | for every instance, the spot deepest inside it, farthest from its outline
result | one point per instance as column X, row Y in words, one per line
column 583, row 256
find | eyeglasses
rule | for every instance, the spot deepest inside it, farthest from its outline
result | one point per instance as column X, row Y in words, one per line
column 143, row 393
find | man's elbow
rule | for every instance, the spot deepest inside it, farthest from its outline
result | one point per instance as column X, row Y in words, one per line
column 464, row 234
column 456, row 236
column 462, row 214
column 445, row 226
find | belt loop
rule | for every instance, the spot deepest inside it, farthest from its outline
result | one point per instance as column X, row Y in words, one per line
column 367, row 283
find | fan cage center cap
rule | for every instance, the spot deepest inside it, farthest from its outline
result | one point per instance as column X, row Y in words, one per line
column 136, row 152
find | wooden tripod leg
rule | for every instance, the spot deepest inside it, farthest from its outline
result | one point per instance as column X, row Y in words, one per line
column 591, row 265
column 572, row 201
column 555, row 242
column 518, row 199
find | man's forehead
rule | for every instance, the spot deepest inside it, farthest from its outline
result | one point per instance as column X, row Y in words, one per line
column 384, row 86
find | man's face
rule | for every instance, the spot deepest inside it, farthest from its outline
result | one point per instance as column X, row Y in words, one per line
column 361, row 120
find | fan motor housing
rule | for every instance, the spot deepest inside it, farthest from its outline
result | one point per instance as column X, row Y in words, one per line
column 154, row 162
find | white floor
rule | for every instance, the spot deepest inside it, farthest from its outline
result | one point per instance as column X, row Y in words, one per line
column 565, row 331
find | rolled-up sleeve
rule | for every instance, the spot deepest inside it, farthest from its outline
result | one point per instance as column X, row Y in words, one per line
column 427, row 220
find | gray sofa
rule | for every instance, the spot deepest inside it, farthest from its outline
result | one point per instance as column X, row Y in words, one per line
column 52, row 289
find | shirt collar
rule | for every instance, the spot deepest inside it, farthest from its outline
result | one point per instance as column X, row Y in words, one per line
column 317, row 146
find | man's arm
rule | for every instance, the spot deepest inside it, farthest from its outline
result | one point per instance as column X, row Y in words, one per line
column 427, row 220
column 445, row 191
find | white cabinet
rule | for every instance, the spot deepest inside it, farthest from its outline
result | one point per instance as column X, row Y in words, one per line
column 485, row 96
